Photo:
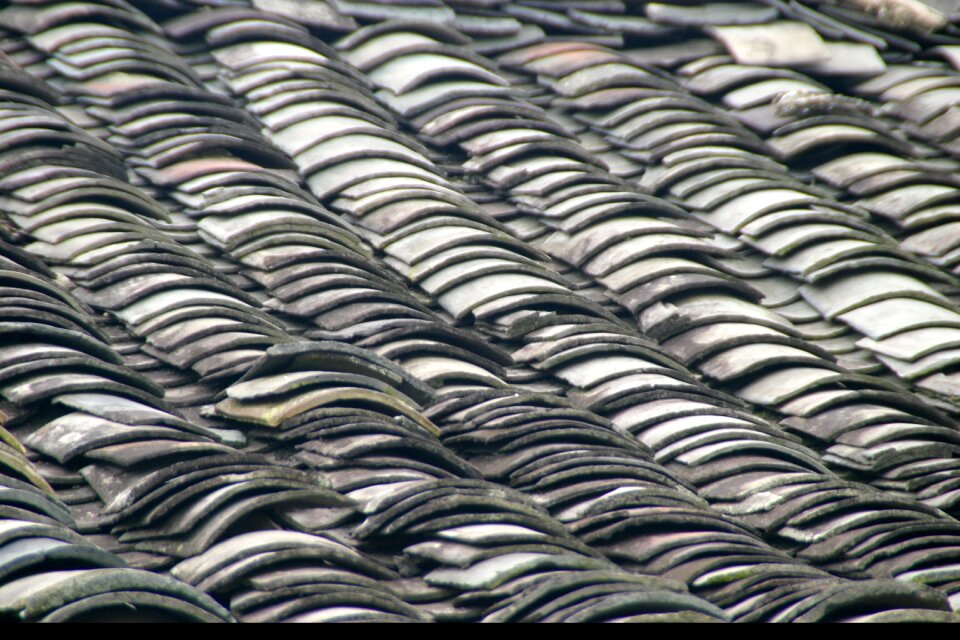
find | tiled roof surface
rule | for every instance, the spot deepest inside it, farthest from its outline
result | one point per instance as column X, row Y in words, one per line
column 474, row 310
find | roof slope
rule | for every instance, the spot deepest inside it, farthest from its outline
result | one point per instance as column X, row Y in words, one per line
column 479, row 311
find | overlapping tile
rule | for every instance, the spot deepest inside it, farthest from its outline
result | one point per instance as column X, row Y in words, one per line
column 247, row 403
column 262, row 262
column 806, row 102
column 458, row 89
column 755, row 392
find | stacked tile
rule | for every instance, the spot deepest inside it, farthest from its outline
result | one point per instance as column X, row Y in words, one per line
column 575, row 345
column 919, row 196
column 354, row 458
column 490, row 557
column 503, row 158
column 183, row 389
column 315, row 445
column 283, row 234
column 805, row 124
column 54, row 363
column 167, row 491
column 163, row 502
column 478, row 546
column 739, row 178
column 328, row 445
column 348, row 148
column 686, row 115
column 505, row 558
column 595, row 480
column 264, row 398
column 410, row 254
column 50, row 573
column 492, row 29
column 922, row 95
column 656, row 317
column 290, row 576
column 111, row 239
column 346, row 418
column 79, row 372
column 170, row 490
column 691, row 111
column 834, row 398
column 349, row 434
column 108, row 420
column 916, row 195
